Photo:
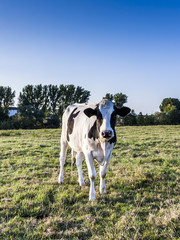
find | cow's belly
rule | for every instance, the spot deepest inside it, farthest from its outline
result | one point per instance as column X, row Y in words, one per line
column 75, row 146
column 75, row 143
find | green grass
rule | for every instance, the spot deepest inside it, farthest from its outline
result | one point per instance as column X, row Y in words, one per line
column 143, row 184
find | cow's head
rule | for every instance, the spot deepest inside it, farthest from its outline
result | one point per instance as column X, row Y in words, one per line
column 106, row 114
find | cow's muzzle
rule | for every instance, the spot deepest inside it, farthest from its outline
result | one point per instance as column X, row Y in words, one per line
column 107, row 134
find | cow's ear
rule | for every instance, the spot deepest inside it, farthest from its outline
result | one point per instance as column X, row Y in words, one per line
column 123, row 111
column 90, row 112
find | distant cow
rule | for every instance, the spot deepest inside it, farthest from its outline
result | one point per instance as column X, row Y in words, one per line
column 90, row 131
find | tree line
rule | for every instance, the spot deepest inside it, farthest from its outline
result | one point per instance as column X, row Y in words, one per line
column 169, row 112
column 39, row 106
column 42, row 106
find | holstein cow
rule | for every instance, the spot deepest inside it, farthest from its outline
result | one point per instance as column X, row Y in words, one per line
column 90, row 131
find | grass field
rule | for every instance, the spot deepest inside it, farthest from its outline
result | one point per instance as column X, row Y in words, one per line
column 143, row 184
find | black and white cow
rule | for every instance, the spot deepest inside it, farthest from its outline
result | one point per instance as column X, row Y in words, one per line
column 90, row 131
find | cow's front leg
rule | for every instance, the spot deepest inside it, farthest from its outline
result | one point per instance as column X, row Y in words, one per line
column 79, row 159
column 102, row 174
column 92, row 176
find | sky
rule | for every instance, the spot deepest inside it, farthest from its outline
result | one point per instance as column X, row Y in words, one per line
column 104, row 46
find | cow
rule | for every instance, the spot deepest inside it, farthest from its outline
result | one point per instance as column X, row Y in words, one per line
column 89, row 129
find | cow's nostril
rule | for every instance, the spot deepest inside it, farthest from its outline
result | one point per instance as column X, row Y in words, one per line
column 107, row 134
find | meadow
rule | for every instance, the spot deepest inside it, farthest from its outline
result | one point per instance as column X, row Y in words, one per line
column 143, row 185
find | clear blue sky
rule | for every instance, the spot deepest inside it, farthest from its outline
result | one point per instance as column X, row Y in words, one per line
column 104, row 46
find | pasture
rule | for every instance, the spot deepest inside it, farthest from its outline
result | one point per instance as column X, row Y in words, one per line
column 143, row 185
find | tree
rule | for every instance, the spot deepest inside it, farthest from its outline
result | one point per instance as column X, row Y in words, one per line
column 174, row 116
column 6, row 100
column 130, row 119
column 118, row 98
column 6, row 97
column 169, row 104
column 34, row 96
column 69, row 94
column 81, row 95
column 44, row 105
column 149, row 119
column 53, row 98
column 171, row 108
column 32, row 101
column 140, row 119
column 109, row 96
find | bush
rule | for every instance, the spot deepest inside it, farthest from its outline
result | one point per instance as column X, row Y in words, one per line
column 6, row 125
column 51, row 121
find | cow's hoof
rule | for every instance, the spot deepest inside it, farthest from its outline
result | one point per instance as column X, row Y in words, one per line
column 103, row 191
column 60, row 181
column 82, row 184
column 92, row 197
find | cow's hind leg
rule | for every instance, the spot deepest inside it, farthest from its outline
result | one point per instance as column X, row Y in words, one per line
column 62, row 159
column 79, row 159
